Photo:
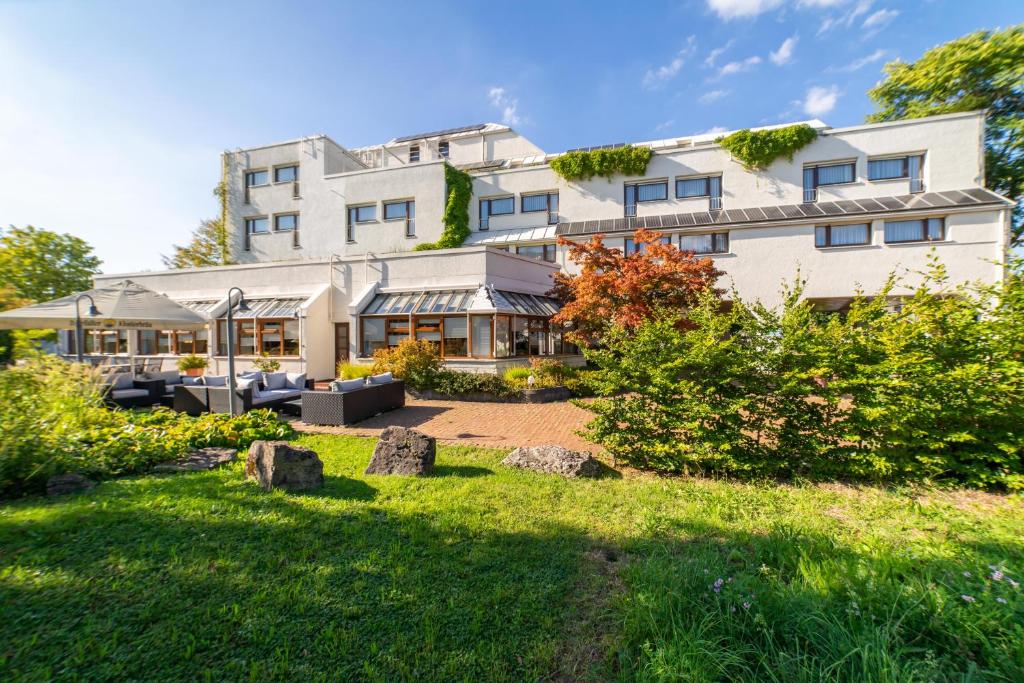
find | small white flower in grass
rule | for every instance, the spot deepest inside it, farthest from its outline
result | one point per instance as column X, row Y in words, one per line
column 732, row 609
column 718, row 585
column 967, row 574
column 746, row 605
column 1013, row 583
column 997, row 575
column 1001, row 601
column 967, row 598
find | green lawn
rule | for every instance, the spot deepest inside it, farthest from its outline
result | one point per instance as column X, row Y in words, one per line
column 480, row 573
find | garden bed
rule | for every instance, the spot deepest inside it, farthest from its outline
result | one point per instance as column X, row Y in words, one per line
column 544, row 395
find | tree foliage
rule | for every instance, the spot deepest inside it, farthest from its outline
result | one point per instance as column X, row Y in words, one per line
column 38, row 265
column 209, row 243
column 613, row 288
column 982, row 70
column 455, row 219
column 604, row 163
column 933, row 390
column 758, row 149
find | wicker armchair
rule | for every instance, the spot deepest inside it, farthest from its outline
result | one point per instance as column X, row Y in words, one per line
column 349, row 407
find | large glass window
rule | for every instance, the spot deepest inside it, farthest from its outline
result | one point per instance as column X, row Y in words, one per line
column 924, row 230
column 495, row 207
column 520, row 336
column 827, row 174
column 273, row 337
column 711, row 243
column 257, row 225
column 481, row 335
column 650, row 192
column 841, row 235
column 373, row 335
column 548, row 202
column 402, row 210
column 887, row 169
column 430, row 330
column 540, row 252
column 398, row 331
column 257, row 178
column 147, row 342
column 286, row 222
column 455, row 336
column 286, row 174
column 502, row 341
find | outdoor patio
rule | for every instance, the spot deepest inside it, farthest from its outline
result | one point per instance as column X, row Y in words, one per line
column 494, row 425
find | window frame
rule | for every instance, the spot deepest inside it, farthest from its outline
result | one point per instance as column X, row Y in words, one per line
column 409, row 218
column 640, row 184
column 282, row 167
column 257, row 327
column 251, row 220
column 830, row 164
column 414, row 154
column 444, row 149
column 546, row 249
column 712, row 234
column 707, row 186
column 925, row 239
column 828, row 235
column 278, row 216
column 251, row 172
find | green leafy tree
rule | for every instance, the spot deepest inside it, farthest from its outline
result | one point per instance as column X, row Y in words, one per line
column 983, row 70
column 209, row 244
column 38, row 265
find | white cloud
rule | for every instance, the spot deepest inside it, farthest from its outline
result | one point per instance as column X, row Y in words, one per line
column 716, row 130
column 845, row 19
column 656, row 77
column 858, row 64
column 820, row 101
column 735, row 9
column 664, row 125
column 785, row 52
column 880, row 19
column 736, row 67
column 820, row 3
column 709, row 61
column 712, row 96
column 509, row 106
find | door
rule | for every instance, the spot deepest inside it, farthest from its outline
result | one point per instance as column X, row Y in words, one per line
column 340, row 343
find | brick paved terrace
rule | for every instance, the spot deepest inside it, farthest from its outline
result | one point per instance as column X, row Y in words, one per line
column 495, row 425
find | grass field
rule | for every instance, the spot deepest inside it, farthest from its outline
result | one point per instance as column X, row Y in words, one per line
column 480, row 573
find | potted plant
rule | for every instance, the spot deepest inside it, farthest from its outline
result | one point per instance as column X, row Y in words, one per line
column 192, row 365
column 266, row 364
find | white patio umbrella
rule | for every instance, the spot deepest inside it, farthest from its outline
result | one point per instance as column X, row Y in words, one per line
column 124, row 305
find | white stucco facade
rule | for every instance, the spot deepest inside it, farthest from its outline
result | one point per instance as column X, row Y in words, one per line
column 350, row 219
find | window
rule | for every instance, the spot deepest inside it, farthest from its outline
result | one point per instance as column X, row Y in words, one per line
column 397, row 331
column 442, row 149
column 829, row 174
column 539, row 252
column 414, row 154
column 373, row 335
column 105, row 342
column 278, row 337
column 533, row 203
column 632, row 247
column 286, row 222
column 481, row 335
column 403, row 210
column 711, row 243
column 254, row 226
column 707, row 186
column 455, row 336
column 286, row 174
column 359, row 214
column 256, row 178
column 643, row 192
column 495, row 207
column 898, row 167
column 923, row 230
column 842, row 235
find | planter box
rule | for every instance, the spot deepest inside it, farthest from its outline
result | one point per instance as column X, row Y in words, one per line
column 546, row 395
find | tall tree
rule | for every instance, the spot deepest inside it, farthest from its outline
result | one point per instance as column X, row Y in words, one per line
column 983, row 70
column 37, row 265
column 614, row 288
column 209, row 244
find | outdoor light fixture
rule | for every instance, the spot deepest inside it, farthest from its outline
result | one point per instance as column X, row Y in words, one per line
column 242, row 308
column 93, row 312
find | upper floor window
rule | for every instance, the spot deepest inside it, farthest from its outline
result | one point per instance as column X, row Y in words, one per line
column 705, row 186
column 540, row 252
column 414, row 154
column 394, row 211
column 541, row 202
column 286, row 174
column 710, row 243
column 257, row 225
column 918, row 230
column 827, row 174
column 842, row 235
column 256, row 178
column 644, row 192
column 898, row 167
column 632, row 247
column 495, row 207
column 442, row 148
column 359, row 214
column 285, row 222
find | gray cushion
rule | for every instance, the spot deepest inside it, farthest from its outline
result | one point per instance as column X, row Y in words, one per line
column 215, row 380
column 251, row 383
column 191, row 381
column 384, row 378
column 251, row 374
column 170, row 377
column 128, row 393
column 122, row 380
column 268, row 395
column 275, row 380
column 342, row 385
column 296, row 380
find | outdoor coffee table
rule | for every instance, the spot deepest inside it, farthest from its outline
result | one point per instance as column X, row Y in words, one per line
column 293, row 407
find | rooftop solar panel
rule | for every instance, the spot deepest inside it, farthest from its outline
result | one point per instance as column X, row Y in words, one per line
column 439, row 133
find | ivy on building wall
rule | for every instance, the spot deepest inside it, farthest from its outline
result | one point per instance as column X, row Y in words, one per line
column 758, row 149
column 456, row 211
column 579, row 165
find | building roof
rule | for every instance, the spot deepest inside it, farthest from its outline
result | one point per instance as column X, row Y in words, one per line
column 846, row 208
column 439, row 133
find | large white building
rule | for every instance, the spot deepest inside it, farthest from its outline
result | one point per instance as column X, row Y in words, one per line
column 323, row 235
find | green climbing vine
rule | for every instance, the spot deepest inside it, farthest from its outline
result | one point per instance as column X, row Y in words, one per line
column 757, row 149
column 456, row 211
column 628, row 160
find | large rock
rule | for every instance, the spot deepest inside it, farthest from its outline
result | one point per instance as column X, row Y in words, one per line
column 67, row 483
column 199, row 460
column 280, row 465
column 403, row 451
column 554, row 460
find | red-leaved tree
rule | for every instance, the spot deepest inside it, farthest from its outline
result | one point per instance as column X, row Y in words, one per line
column 618, row 289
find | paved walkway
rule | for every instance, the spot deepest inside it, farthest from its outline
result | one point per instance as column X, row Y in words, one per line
column 496, row 425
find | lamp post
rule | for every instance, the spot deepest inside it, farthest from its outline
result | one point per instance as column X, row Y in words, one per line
column 93, row 312
column 242, row 308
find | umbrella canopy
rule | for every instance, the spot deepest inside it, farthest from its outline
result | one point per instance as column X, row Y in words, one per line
column 122, row 306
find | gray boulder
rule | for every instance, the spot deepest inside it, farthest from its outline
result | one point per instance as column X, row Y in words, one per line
column 554, row 460
column 199, row 460
column 67, row 483
column 403, row 451
column 280, row 465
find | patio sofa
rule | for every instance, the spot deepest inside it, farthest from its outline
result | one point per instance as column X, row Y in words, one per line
column 124, row 390
column 352, row 402
column 250, row 393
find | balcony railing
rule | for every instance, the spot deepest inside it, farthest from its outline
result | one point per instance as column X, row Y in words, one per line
column 630, row 210
column 916, row 185
column 552, row 218
column 810, row 195
column 714, row 204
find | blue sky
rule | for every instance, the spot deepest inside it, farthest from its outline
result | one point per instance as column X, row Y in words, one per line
column 115, row 113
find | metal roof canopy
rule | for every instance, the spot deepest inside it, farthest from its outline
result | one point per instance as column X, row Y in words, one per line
column 845, row 208
column 444, row 302
column 268, row 308
column 439, row 133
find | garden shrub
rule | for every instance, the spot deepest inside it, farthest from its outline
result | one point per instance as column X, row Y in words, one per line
column 756, row 150
column 454, row 383
column 54, row 421
column 353, row 371
column 414, row 360
column 605, row 163
column 932, row 391
column 517, row 376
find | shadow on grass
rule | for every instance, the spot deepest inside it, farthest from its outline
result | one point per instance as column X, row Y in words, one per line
column 461, row 471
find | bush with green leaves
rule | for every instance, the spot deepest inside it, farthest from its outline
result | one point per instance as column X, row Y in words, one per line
column 931, row 391
column 758, row 149
column 604, row 163
column 455, row 383
column 55, row 421
column 347, row 370
column 416, row 361
column 459, row 186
